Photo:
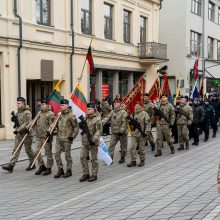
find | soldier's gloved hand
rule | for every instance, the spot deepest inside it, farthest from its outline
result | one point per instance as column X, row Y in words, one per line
column 92, row 143
column 120, row 134
column 13, row 119
column 70, row 140
column 26, row 130
column 48, row 134
column 15, row 132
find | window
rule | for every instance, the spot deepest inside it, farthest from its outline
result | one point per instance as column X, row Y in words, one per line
column 108, row 21
column 219, row 15
column 210, row 47
column 195, row 41
column 43, row 12
column 143, row 24
column 86, row 17
column 211, row 11
column 196, row 7
column 127, row 26
column 218, row 50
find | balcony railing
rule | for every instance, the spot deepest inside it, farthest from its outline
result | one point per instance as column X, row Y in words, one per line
column 152, row 50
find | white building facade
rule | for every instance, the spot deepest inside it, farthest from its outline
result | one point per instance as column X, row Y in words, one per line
column 191, row 29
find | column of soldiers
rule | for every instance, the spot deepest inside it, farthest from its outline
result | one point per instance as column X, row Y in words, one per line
column 187, row 115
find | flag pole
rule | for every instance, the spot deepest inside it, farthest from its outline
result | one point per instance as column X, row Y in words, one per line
column 194, row 88
column 178, row 90
column 80, row 78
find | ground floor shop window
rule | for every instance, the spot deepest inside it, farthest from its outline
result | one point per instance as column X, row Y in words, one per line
column 107, row 84
column 123, row 84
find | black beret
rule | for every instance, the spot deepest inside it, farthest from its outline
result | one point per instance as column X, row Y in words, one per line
column 163, row 95
column 44, row 101
column 91, row 105
column 64, row 101
column 146, row 94
column 21, row 99
column 186, row 97
column 182, row 96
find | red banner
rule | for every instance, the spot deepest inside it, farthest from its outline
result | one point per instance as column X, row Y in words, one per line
column 136, row 94
column 155, row 91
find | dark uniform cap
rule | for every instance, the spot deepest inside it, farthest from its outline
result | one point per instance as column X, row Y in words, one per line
column 146, row 94
column 91, row 105
column 182, row 97
column 44, row 101
column 186, row 97
column 21, row 99
column 64, row 101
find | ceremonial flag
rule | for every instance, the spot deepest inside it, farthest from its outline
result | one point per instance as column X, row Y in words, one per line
column 201, row 90
column 195, row 69
column 195, row 93
column 136, row 94
column 78, row 102
column 54, row 99
column 90, row 60
column 154, row 92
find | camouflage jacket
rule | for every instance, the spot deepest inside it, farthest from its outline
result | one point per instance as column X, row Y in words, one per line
column 144, row 120
column 119, row 122
column 44, row 121
column 94, row 124
column 168, row 110
column 181, row 119
column 105, row 108
column 67, row 125
column 149, row 108
column 24, row 118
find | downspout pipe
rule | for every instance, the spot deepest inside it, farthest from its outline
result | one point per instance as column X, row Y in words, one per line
column 160, row 4
column 72, row 46
column 20, row 46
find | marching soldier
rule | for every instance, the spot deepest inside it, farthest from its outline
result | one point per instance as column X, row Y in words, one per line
column 24, row 117
column 174, row 128
column 138, row 136
column 46, row 118
column 67, row 130
column 149, row 108
column 216, row 105
column 90, row 142
column 105, row 110
column 119, row 125
column 167, row 112
column 184, row 117
column 198, row 118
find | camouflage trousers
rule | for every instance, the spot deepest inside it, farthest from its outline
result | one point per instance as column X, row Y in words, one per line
column 183, row 134
column 150, row 137
column 94, row 159
column 163, row 131
column 123, row 144
column 48, row 152
column 137, row 141
column 28, row 149
column 63, row 146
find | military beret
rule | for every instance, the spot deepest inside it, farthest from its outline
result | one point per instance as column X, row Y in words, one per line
column 186, row 97
column 91, row 105
column 44, row 101
column 182, row 97
column 163, row 95
column 21, row 99
column 146, row 94
column 64, row 101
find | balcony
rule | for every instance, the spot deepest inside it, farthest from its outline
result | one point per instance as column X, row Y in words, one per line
column 151, row 52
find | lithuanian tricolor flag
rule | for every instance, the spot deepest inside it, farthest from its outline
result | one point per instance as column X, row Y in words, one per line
column 90, row 60
column 78, row 102
column 54, row 98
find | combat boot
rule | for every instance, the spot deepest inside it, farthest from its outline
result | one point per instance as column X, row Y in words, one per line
column 153, row 147
column 141, row 164
column 172, row 149
column 181, row 147
column 68, row 174
column 195, row 143
column 47, row 172
column 30, row 168
column 84, row 178
column 8, row 167
column 159, row 153
column 187, row 146
column 92, row 178
column 206, row 139
column 122, row 160
column 40, row 170
column 60, row 173
column 132, row 164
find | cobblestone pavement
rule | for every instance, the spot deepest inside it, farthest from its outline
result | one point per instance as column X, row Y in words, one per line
column 179, row 186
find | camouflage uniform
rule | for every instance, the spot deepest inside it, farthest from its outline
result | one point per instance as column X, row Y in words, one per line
column 183, row 124
column 67, row 127
column 119, row 125
column 105, row 110
column 94, row 124
column 136, row 137
column 24, row 118
column 44, row 121
column 163, row 128
column 149, row 108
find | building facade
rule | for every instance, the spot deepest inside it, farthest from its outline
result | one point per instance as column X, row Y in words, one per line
column 124, row 47
column 191, row 28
